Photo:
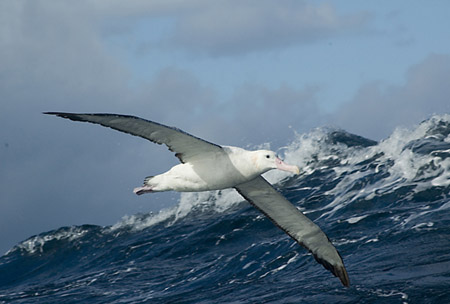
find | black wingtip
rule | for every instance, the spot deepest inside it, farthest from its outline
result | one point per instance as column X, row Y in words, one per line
column 342, row 274
column 338, row 270
column 60, row 114
column 71, row 116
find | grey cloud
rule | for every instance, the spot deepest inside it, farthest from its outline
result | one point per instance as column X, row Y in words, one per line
column 218, row 28
column 48, row 47
column 272, row 115
column 378, row 108
column 224, row 28
column 175, row 94
column 229, row 28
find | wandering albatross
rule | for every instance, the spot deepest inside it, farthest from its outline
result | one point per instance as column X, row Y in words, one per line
column 207, row 166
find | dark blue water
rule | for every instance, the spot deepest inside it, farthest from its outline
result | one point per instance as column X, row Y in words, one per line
column 384, row 205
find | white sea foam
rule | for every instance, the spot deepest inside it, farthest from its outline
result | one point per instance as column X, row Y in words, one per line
column 403, row 166
column 356, row 219
column 415, row 216
column 273, row 271
column 36, row 244
column 218, row 201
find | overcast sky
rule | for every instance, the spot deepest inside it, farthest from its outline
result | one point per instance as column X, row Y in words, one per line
column 233, row 72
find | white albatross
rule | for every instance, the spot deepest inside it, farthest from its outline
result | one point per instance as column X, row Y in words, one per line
column 207, row 166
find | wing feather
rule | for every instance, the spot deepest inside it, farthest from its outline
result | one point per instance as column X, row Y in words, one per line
column 287, row 217
column 186, row 147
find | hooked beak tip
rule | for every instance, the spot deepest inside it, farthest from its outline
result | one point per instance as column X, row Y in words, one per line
column 282, row 166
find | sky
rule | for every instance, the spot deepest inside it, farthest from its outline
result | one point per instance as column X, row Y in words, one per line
column 237, row 73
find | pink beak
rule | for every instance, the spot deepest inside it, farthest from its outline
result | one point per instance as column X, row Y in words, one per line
column 285, row 167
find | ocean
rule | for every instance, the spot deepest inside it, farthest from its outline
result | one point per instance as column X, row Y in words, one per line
column 384, row 205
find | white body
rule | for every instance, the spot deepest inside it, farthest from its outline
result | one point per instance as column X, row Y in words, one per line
column 215, row 170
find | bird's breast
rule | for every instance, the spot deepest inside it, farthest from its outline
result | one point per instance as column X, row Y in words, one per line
column 215, row 171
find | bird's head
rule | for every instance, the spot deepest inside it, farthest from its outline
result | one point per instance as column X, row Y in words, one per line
column 267, row 160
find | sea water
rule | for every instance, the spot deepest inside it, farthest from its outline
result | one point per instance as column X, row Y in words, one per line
column 384, row 205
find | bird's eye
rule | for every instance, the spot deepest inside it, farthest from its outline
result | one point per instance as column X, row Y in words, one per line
column 267, row 156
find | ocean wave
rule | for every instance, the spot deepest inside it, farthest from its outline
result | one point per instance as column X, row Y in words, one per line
column 36, row 244
column 383, row 204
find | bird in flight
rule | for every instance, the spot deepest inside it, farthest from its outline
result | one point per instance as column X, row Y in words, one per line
column 206, row 166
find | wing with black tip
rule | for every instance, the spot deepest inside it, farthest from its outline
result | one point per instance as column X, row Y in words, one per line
column 186, row 147
column 287, row 217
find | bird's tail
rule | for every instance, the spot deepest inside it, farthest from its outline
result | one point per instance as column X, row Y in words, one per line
column 147, row 180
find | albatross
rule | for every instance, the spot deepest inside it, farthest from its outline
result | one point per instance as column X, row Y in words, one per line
column 206, row 166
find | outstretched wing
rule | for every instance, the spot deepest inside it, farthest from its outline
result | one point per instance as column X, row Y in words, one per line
column 186, row 146
column 287, row 217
